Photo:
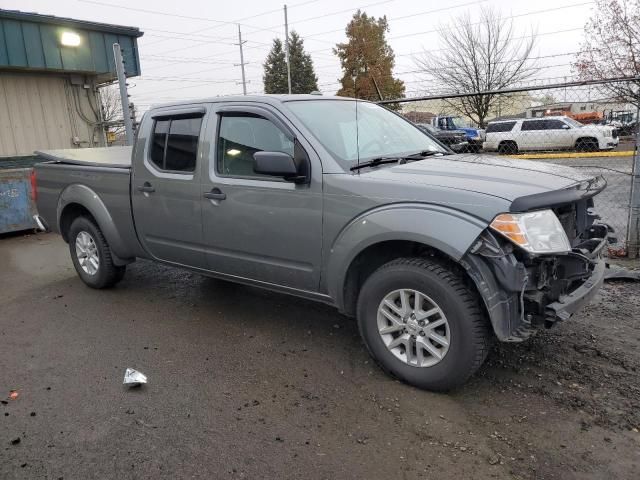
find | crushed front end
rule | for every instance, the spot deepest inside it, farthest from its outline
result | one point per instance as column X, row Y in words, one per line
column 525, row 291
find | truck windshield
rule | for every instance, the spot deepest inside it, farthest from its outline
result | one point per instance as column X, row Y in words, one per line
column 376, row 133
column 573, row 123
column 458, row 122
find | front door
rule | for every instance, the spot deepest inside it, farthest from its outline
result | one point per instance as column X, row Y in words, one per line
column 166, row 196
column 558, row 133
column 255, row 226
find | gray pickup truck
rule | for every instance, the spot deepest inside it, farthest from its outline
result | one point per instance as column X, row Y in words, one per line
column 343, row 202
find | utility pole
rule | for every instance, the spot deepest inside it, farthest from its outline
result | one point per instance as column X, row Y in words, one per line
column 124, row 95
column 134, row 118
column 286, row 48
column 242, row 64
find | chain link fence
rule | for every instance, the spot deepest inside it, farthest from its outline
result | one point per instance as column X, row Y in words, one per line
column 591, row 126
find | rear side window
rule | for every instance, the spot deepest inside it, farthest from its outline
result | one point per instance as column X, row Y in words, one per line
column 533, row 125
column 500, row 127
column 159, row 142
column 174, row 144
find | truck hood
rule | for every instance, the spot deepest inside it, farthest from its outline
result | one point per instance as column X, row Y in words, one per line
column 490, row 175
column 597, row 128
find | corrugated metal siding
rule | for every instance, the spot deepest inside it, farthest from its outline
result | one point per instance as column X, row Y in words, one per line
column 36, row 46
column 40, row 112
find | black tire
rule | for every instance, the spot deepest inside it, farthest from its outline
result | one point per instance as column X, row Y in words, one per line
column 508, row 148
column 587, row 145
column 107, row 274
column 470, row 334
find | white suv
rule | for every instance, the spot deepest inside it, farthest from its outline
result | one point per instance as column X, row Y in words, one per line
column 548, row 133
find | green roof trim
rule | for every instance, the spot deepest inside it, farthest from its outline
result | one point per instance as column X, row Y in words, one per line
column 30, row 41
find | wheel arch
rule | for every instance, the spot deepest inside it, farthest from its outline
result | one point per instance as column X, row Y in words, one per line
column 78, row 200
column 586, row 139
column 394, row 231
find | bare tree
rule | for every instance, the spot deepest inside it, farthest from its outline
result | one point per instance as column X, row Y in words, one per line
column 112, row 108
column 611, row 47
column 478, row 56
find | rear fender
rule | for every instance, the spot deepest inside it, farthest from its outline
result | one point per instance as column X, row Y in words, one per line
column 87, row 198
column 448, row 230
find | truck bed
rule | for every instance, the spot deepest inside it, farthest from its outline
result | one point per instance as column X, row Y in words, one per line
column 98, row 179
column 113, row 157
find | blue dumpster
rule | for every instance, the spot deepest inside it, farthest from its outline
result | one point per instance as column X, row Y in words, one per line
column 17, row 195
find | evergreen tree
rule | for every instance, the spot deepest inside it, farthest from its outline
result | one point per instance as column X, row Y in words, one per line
column 275, row 69
column 303, row 77
column 367, row 60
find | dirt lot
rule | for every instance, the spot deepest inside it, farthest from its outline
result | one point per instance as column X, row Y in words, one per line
column 249, row 384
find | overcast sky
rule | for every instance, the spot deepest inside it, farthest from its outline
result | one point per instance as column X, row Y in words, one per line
column 189, row 47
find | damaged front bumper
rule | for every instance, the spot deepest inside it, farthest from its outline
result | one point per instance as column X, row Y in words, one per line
column 524, row 293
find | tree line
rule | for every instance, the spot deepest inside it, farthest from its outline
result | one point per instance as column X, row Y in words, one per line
column 481, row 55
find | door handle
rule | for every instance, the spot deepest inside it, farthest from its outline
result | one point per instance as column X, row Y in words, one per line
column 215, row 194
column 146, row 188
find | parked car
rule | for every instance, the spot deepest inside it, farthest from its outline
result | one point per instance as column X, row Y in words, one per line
column 548, row 133
column 456, row 140
column 475, row 136
column 434, row 253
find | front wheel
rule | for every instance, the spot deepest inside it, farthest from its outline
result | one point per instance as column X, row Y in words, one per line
column 422, row 324
column 91, row 255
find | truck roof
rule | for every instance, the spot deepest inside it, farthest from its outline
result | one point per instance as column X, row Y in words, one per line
column 270, row 99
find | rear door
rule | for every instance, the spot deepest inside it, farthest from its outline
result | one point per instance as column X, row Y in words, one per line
column 166, row 196
column 260, row 227
column 532, row 135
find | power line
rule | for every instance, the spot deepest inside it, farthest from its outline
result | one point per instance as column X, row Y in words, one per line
column 268, row 12
column 537, row 12
column 330, row 14
column 393, row 74
column 158, row 12
column 390, row 19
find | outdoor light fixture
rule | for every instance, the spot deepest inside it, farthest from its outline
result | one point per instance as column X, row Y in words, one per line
column 70, row 39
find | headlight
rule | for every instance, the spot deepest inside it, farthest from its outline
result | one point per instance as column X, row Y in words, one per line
column 536, row 232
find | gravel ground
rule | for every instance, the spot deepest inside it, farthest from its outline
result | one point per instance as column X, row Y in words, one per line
column 245, row 383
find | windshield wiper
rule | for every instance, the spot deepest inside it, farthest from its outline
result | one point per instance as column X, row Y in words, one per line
column 376, row 161
column 400, row 159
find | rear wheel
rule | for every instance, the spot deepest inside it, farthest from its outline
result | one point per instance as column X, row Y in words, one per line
column 422, row 324
column 508, row 148
column 91, row 255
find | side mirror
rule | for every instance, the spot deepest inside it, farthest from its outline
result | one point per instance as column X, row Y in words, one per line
column 277, row 164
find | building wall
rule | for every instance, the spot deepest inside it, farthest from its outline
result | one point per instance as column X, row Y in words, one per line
column 46, row 111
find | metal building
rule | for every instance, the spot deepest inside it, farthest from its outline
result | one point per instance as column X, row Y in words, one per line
column 50, row 70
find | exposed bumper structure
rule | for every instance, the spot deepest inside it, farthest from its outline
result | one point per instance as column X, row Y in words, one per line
column 523, row 295
column 575, row 300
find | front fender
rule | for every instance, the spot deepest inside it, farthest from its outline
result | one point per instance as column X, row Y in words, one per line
column 84, row 196
column 448, row 230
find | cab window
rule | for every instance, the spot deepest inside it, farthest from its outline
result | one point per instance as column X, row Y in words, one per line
column 174, row 144
column 240, row 136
